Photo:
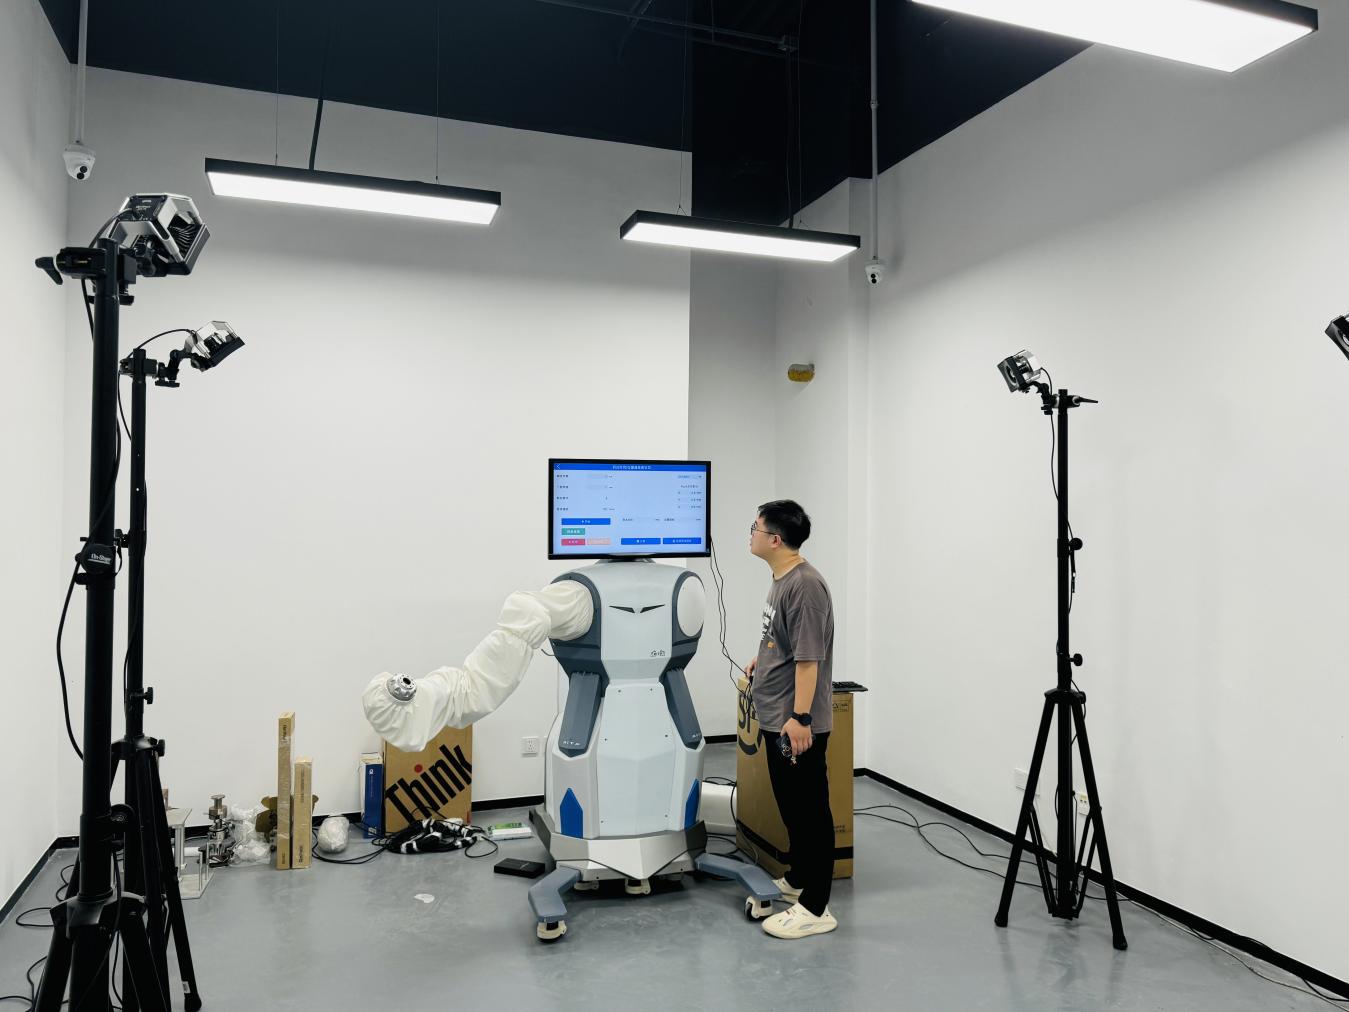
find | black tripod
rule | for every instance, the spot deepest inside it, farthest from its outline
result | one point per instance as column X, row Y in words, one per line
column 85, row 925
column 150, row 868
column 1065, row 890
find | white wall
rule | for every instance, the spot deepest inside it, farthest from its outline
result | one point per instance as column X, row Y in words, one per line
column 34, row 96
column 733, row 378
column 821, row 426
column 360, row 486
column 1169, row 241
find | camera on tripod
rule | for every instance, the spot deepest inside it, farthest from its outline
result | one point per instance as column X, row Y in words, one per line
column 151, row 235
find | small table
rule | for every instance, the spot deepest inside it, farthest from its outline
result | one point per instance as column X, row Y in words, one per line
column 191, row 884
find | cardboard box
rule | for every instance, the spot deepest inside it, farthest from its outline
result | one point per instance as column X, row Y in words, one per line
column 760, row 831
column 433, row 783
column 303, row 813
column 285, row 744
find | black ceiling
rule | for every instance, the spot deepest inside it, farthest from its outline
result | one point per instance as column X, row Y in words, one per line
column 772, row 122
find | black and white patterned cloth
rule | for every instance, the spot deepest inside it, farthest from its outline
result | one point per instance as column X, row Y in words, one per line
column 435, row 836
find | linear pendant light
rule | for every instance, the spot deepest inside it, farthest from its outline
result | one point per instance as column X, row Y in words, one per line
column 720, row 236
column 352, row 193
column 1218, row 34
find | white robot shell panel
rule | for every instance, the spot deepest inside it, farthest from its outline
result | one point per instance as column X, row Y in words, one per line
column 640, row 745
column 635, row 762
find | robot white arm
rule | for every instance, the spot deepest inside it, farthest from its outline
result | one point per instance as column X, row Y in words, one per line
column 409, row 713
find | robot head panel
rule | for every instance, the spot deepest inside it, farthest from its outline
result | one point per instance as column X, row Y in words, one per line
column 647, row 619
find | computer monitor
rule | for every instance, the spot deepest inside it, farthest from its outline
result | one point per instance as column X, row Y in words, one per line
column 619, row 509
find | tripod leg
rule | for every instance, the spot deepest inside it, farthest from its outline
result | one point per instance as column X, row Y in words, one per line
column 174, row 896
column 148, row 803
column 1107, row 873
column 52, row 988
column 143, row 979
column 1023, row 822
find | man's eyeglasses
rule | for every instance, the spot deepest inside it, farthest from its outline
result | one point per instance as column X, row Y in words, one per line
column 756, row 527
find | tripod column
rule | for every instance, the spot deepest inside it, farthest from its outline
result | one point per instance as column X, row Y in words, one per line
column 1067, row 871
column 89, row 964
column 135, row 668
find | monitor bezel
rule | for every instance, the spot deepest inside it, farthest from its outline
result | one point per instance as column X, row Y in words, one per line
column 707, row 522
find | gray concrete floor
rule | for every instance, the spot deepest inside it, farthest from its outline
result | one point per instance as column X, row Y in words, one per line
column 915, row 932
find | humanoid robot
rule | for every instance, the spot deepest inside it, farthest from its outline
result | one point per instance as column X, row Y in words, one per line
column 624, row 763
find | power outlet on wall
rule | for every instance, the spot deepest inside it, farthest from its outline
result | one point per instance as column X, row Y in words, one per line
column 529, row 745
column 1019, row 781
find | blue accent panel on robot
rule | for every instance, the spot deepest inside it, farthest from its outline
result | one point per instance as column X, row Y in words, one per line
column 573, row 818
column 691, row 806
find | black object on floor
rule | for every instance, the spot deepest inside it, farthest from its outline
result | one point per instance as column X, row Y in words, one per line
column 514, row 866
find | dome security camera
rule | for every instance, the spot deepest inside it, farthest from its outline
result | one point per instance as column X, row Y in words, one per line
column 79, row 161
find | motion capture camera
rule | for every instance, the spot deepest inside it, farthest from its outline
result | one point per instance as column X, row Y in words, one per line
column 79, row 161
column 1338, row 331
column 1020, row 371
column 875, row 271
column 163, row 231
column 205, row 348
column 211, row 344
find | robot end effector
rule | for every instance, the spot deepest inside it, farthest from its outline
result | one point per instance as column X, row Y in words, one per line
column 408, row 713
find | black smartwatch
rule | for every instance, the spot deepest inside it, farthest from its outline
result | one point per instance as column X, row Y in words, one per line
column 802, row 718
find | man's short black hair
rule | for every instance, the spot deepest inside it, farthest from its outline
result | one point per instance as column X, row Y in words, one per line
column 787, row 520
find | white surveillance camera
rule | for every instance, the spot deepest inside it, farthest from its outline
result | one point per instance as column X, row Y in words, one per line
column 875, row 271
column 79, row 161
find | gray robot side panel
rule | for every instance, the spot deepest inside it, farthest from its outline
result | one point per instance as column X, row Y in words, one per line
column 582, row 653
column 679, row 701
column 682, row 645
column 584, row 691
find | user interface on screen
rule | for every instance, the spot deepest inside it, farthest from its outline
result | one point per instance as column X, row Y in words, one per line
column 602, row 508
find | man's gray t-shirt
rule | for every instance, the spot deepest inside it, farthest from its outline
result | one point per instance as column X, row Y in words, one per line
column 798, row 625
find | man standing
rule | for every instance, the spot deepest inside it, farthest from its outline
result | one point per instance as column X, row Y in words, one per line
column 792, row 688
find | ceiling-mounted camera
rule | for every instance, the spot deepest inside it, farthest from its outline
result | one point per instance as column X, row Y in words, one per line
column 79, row 161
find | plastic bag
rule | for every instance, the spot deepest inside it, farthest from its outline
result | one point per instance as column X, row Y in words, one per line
column 250, row 846
column 333, row 835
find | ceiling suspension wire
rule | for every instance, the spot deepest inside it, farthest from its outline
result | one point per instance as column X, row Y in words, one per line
column 787, row 147
column 800, row 165
column 276, row 126
column 438, row 4
column 683, row 113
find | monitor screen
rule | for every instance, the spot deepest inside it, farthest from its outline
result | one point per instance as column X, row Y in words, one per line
column 604, row 509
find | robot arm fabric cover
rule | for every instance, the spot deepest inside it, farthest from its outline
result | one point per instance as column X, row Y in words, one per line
column 408, row 713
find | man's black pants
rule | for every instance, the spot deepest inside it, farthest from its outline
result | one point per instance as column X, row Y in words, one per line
column 802, row 794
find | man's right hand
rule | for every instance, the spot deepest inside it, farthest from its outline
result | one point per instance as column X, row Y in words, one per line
column 749, row 668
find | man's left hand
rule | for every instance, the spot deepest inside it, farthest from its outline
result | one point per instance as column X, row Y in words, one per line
column 800, row 736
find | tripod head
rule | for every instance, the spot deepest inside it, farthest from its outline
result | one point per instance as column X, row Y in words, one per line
column 155, row 234
column 1023, row 373
column 205, row 348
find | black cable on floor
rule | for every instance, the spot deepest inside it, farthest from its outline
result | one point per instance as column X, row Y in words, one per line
column 1311, row 990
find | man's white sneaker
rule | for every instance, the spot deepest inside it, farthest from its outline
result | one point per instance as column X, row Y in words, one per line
column 789, row 892
column 798, row 922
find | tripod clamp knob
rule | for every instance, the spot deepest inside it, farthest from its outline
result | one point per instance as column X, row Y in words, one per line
column 146, row 696
column 1076, row 660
